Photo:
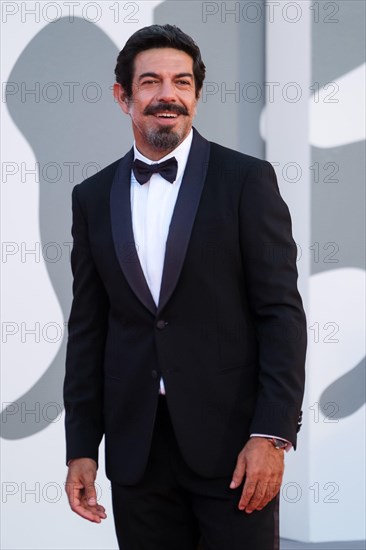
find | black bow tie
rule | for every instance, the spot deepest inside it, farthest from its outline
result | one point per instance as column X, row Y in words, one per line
column 167, row 169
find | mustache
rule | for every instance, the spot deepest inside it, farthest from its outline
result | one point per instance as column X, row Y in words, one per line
column 166, row 107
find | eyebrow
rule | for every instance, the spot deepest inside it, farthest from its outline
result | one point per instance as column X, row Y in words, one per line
column 155, row 75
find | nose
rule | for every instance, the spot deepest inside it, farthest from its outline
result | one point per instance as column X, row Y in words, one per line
column 166, row 92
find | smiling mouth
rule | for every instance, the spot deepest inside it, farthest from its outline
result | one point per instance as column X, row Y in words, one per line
column 166, row 115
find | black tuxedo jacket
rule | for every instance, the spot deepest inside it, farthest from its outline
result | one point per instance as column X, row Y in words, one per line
column 228, row 336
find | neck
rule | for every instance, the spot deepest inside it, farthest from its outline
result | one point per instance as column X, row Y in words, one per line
column 152, row 153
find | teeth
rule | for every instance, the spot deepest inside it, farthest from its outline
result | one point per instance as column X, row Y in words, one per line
column 167, row 115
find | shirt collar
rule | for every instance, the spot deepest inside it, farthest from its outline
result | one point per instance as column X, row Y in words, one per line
column 180, row 153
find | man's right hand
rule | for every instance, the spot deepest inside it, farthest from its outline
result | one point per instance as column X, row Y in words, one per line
column 80, row 489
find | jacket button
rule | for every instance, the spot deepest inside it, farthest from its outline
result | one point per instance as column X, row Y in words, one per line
column 161, row 324
column 154, row 374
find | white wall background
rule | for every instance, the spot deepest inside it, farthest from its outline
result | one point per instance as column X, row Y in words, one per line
column 323, row 494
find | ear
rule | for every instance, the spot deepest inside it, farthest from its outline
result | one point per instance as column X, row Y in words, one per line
column 121, row 97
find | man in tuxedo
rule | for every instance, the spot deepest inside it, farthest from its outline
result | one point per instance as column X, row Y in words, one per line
column 187, row 334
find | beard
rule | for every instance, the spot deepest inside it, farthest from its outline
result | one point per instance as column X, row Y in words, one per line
column 164, row 139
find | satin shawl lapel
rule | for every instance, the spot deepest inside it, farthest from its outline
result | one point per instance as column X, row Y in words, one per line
column 184, row 215
column 122, row 231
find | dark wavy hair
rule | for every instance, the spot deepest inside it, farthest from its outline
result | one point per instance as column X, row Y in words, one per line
column 157, row 36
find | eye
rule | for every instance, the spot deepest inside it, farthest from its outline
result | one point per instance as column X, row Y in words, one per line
column 149, row 82
column 183, row 82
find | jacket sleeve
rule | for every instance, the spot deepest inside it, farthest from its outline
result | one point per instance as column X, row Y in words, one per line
column 83, row 385
column 269, row 257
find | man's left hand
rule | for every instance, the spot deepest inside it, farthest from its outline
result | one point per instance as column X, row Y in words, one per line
column 262, row 465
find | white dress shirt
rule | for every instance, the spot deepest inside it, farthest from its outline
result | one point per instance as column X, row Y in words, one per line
column 152, row 206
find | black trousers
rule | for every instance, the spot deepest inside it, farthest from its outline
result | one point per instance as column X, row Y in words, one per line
column 172, row 508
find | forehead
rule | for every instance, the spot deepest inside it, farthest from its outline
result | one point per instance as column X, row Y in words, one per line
column 163, row 60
